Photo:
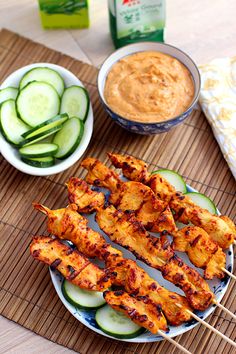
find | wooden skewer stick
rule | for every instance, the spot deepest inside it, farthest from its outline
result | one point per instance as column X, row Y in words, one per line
column 164, row 335
column 224, row 309
column 229, row 273
column 234, row 242
column 227, row 339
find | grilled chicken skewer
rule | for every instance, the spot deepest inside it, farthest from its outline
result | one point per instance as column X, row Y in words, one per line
column 70, row 263
column 220, row 228
column 65, row 223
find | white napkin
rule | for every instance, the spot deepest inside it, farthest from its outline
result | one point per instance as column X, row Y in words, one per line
column 218, row 102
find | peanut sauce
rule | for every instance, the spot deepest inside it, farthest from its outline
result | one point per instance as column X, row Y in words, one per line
column 149, row 87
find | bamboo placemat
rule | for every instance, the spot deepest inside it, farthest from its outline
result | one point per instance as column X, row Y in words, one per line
column 26, row 292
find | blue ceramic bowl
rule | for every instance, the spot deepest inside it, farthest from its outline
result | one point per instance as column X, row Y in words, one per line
column 148, row 128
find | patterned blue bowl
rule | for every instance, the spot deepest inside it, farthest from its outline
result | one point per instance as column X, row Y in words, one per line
column 148, row 128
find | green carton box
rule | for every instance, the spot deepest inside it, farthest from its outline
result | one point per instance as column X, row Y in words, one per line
column 64, row 13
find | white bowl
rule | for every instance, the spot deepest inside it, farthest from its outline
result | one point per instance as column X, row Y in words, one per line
column 11, row 154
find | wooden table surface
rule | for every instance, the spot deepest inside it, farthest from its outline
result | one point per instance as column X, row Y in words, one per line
column 203, row 29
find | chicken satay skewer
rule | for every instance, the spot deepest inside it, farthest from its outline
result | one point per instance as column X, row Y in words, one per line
column 213, row 329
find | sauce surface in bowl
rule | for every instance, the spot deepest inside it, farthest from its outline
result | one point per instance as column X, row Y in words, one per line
column 149, row 87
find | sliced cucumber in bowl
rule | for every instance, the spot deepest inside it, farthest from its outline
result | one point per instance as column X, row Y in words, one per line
column 41, row 136
column 173, row 178
column 37, row 102
column 39, row 150
column 75, row 102
column 8, row 93
column 11, row 126
column 82, row 298
column 116, row 324
column 39, row 161
column 44, row 74
column 48, row 124
column 69, row 137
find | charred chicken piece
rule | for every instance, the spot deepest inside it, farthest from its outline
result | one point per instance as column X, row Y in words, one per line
column 132, row 168
column 70, row 263
column 125, row 230
column 139, row 309
column 100, row 175
column 67, row 224
column 136, row 281
column 86, row 200
column 202, row 251
column 129, row 233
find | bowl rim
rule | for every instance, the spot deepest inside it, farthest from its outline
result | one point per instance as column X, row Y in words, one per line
column 62, row 165
column 176, row 118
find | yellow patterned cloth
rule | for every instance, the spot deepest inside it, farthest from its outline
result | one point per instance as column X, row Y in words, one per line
column 218, row 102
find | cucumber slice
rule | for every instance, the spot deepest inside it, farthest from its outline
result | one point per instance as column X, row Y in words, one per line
column 173, row 178
column 69, row 137
column 116, row 324
column 75, row 102
column 81, row 298
column 39, row 150
column 45, row 74
column 8, row 93
column 11, row 126
column 37, row 102
column 50, row 123
column 202, row 201
column 34, row 139
column 39, row 161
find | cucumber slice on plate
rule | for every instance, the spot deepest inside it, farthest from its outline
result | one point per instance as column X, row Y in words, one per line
column 11, row 126
column 46, row 75
column 116, row 324
column 69, row 137
column 8, row 93
column 82, row 298
column 39, row 150
column 173, row 178
column 37, row 102
column 50, row 123
column 35, row 138
column 75, row 102
column 39, row 161
column 202, row 201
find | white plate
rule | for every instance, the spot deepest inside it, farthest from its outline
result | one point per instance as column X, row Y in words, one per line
column 10, row 153
column 87, row 317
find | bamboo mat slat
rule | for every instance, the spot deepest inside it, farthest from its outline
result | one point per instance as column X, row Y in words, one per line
column 27, row 295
